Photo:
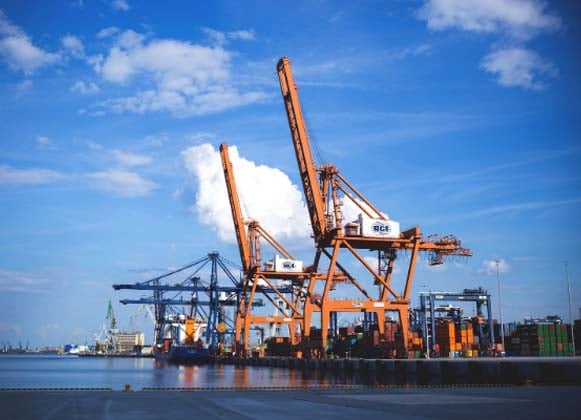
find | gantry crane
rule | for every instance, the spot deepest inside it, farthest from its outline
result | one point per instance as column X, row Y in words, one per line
column 285, row 277
column 211, row 311
column 325, row 190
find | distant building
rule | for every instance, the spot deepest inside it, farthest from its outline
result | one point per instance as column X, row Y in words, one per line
column 129, row 342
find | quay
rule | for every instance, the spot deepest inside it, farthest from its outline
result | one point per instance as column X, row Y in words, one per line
column 484, row 371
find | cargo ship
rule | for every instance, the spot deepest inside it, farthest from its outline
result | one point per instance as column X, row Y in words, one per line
column 182, row 341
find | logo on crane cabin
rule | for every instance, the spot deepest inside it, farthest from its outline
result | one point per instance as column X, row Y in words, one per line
column 381, row 228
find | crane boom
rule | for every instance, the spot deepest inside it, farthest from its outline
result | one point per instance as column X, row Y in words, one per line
column 241, row 237
column 307, row 168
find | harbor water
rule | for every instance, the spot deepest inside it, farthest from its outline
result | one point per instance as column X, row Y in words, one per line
column 54, row 371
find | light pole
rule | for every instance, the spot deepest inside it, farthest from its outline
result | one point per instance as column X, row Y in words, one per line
column 570, row 308
column 500, row 303
column 425, row 308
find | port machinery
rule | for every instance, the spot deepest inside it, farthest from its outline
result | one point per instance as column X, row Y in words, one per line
column 325, row 191
column 285, row 276
column 188, row 298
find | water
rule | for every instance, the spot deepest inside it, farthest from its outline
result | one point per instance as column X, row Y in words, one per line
column 53, row 371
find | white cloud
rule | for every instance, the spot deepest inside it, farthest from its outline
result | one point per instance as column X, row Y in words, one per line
column 93, row 145
column 515, row 20
column 10, row 328
column 220, row 38
column 519, row 18
column 122, row 183
column 73, row 46
column 11, row 176
column 24, row 85
column 122, row 5
column 244, row 35
column 17, row 281
column 173, row 76
column 107, row 32
column 44, row 143
column 489, row 267
column 84, row 88
column 266, row 194
column 17, row 49
column 157, row 140
column 518, row 67
column 130, row 159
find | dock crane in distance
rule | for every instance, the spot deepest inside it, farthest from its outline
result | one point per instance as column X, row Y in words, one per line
column 324, row 189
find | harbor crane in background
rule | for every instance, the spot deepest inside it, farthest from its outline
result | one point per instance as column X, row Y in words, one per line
column 106, row 335
column 325, row 191
column 187, row 300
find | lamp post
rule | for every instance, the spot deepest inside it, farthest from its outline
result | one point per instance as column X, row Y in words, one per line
column 500, row 303
column 570, row 308
column 425, row 307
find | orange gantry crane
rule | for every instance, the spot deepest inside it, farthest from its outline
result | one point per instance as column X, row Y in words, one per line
column 343, row 244
column 285, row 277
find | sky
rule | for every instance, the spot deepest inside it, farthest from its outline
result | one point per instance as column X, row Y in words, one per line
column 462, row 117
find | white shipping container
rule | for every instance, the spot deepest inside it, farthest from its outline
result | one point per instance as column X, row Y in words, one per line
column 282, row 265
column 378, row 228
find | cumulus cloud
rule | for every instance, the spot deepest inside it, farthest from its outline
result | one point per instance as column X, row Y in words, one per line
column 518, row 67
column 73, row 46
column 85, row 88
column 122, row 183
column 266, row 194
column 12, row 176
column 130, row 159
column 489, row 267
column 173, row 76
column 519, row 18
column 18, row 51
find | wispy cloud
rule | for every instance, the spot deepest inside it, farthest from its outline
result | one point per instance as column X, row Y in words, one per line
column 12, row 176
column 122, row 183
column 490, row 267
column 122, row 5
column 130, row 159
column 515, row 21
column 107, row 32
column 18, row 51
column 44, row 143
column 520, row 207
column 22, row 282
column 220, row 38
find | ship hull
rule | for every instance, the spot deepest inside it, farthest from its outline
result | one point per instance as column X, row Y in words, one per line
column 186, row 355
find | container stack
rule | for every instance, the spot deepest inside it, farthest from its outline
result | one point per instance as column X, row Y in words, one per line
column 543, row 340
column 446, row 338
column 465, row 339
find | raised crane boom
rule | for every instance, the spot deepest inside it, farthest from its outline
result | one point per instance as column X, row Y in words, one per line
column 306, row 164
column 243, row 245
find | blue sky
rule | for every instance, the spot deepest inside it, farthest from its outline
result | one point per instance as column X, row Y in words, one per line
column 462, row 117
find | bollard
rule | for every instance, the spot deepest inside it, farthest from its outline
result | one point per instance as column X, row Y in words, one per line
column 127, row 387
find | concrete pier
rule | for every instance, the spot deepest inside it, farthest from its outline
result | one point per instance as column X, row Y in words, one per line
column 420, row 403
